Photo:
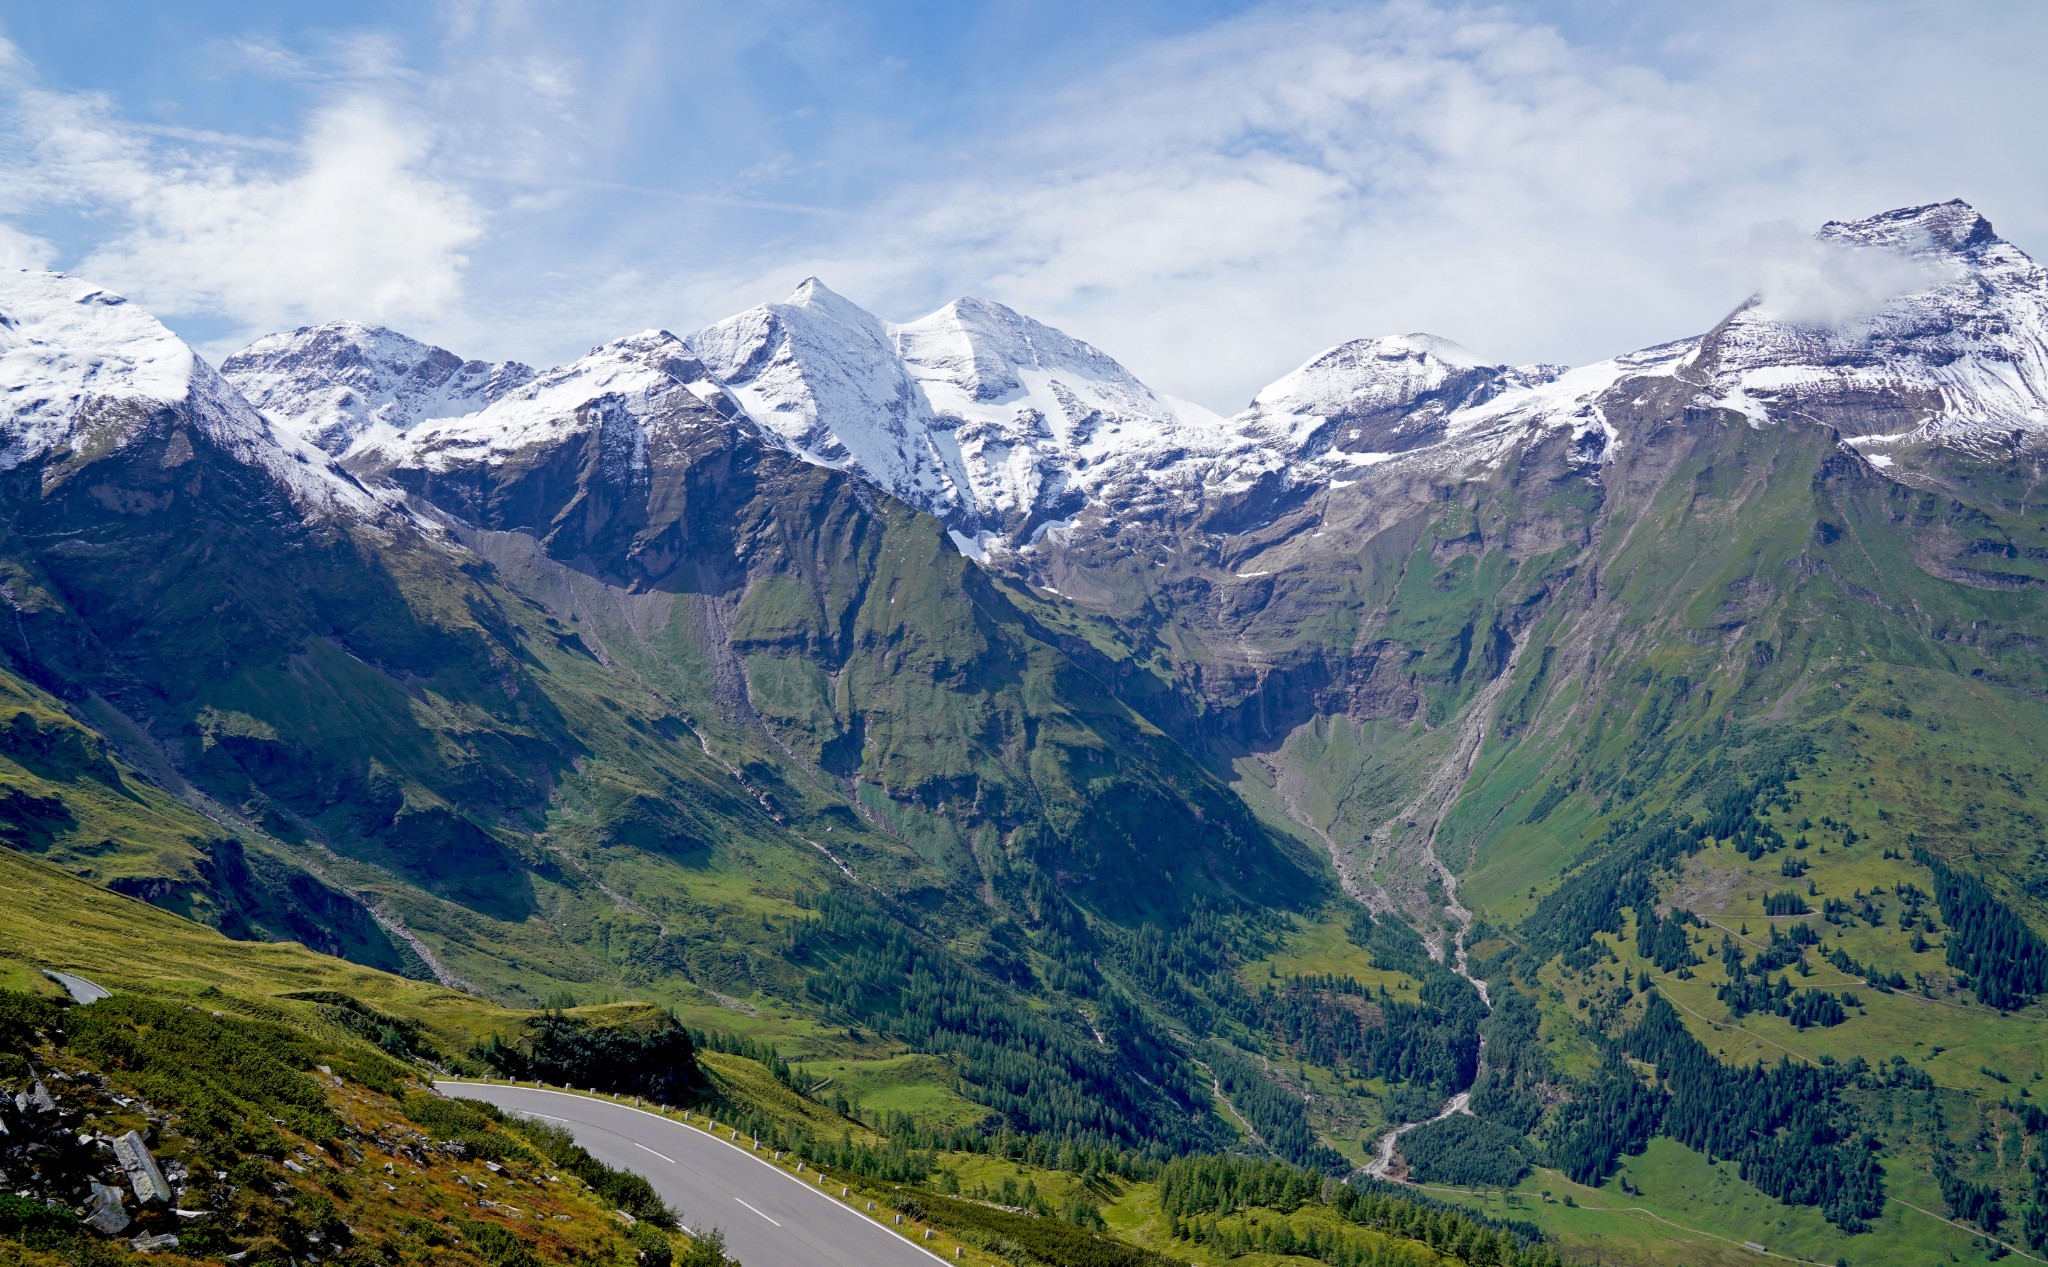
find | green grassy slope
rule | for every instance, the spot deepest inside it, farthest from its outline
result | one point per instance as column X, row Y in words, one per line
column 594, row 747
column 1762, row 609
column 250, row 1069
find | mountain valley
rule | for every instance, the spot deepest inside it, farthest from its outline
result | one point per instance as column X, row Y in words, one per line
column 1623, row 781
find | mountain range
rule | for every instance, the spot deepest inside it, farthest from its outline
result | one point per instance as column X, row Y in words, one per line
column 945, row 704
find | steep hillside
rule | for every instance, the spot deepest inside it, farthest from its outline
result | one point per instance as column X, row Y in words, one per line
column 279, row 1097
column 1713, row 666
column 596, row 693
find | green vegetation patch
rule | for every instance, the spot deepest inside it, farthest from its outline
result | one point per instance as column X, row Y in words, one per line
column 1467, row 1152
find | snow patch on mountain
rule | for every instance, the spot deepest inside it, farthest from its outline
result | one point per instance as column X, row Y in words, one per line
column 637, row 379
column 1961, row 356
column 337, row 383
column 71, row 354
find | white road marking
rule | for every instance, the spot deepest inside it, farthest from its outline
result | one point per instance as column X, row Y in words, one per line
column 754, row 1157
column 645, row 1149
column 757, row 1212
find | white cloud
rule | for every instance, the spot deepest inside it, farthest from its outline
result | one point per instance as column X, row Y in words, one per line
column 348, row 220
column 358, row 228
column 23, row 250
column 1811, row 281
column 1221, row 207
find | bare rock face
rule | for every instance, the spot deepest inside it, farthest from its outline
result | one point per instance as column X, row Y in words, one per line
column 591, row 458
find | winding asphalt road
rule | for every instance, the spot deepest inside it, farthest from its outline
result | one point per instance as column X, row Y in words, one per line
column 771, row 1218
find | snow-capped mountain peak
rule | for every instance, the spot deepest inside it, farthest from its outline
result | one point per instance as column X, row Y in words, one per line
column 345, row 382
column 1952, row 227
column 977, row 346
column 84, row 373
column 980, row 361
column 1380, row 395
column 821, row 374
column 630, row 381
column 989, row 419
column 65, row 343
column 1930, row 326
column 1040, row 419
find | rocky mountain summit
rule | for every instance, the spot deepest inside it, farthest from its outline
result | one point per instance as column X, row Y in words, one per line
column 1007, row 429
column 334, row 384
column 1958, row 356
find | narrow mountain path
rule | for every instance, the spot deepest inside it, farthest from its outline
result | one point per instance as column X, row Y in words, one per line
column 1216, row 1087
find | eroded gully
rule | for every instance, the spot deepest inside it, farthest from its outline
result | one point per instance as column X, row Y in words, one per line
column 1434, row 804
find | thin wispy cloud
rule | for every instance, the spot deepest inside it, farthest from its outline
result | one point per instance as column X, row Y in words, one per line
column 1228, row 204
column 1828, row 283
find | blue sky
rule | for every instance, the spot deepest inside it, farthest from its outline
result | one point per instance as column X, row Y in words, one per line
column 1212, row 192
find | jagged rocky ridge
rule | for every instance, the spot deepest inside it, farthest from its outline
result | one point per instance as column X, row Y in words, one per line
column 1004, row 427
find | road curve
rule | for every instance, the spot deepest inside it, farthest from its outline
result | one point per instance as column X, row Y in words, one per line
column 771, row 1218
